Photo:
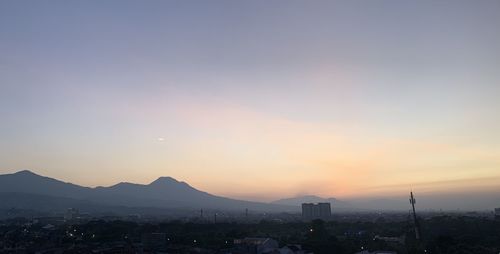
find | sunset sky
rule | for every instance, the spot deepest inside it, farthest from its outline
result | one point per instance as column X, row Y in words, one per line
column 256, row 100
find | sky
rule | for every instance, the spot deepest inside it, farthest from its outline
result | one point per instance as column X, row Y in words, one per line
column 257, row 100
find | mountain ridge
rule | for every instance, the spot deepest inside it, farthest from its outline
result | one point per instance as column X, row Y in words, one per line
column 168, row 193
column 164, row 192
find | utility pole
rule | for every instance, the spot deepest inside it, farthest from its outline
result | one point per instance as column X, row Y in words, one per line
column 215, row 217
column 415, row 220
column 201, row 213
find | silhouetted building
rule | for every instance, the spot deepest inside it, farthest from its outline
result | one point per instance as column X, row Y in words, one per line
column 154, row 241
column 49, row 220
column 254, row 245
column 291, row 249
column 71, row 214
column 312, row 211
column 49, row 227
column 497, row 213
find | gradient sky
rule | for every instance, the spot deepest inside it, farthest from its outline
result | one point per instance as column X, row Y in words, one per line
column 257, row 99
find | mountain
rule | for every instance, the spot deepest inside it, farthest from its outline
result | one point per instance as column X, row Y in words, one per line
column 168, row 192
column 297, row 201
column 337, row 205
column 381, row 204
column 163, row 193
column 28, row 182
column 34, row 205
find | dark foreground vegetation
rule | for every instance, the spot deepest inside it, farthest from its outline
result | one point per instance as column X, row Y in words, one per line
column 440, row 234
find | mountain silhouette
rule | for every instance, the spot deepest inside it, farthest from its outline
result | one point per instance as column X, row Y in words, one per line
column 28, row 182
column 163, row 193
column 337, row 205
column 297, row 201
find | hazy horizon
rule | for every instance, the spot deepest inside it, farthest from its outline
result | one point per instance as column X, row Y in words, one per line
column 446, row 200
column 258, row 100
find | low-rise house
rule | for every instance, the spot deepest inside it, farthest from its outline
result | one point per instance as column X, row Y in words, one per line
column 251, row 245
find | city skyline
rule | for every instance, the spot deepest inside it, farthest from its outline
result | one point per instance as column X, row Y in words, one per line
column 258, row 100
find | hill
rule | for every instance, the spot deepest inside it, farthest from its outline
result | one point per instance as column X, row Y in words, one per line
column 164, row 193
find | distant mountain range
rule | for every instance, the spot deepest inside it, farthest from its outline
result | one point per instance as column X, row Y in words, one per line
column 27, row 190
column 337, row 205
column 297, row 201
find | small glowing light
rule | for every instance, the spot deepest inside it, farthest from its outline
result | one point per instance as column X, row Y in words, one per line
column 194, row 241
column 311, row 230
column 161, row 139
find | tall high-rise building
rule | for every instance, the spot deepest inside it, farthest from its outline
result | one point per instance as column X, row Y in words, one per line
column 71, row 214
column 312, row 211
